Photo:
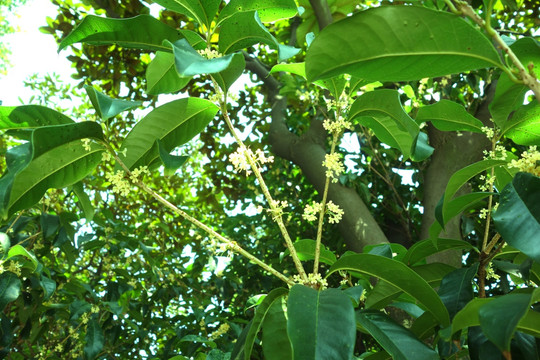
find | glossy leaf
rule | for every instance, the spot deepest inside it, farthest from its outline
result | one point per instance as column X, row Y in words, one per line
column 517, row 218
column 509, row 95
column 174, row 124
column 508, row 310
column 95, row 340
column 227, row 77
column 321, row 324
column 384, row 293
column 245, row 29
column 260, row 314
column 305, row 249
column 171, row 162
column 268, row 10
column 524, row 126
column 422, row 249
column 189, row 62
column 203, row 11
column 161, row 75
column 456, row 289
column 140, row 32
column 457, row 205
column 422, row 149
column 62, row 166
column 19, row 250
column 399, row 342
column 84, row 201
column 462, row 176
column 275, row 339
column 480, row 347
column 291, row 68
column 48, row 286
column 10, row 288
column 30, row 117
column 447, row 115
column 397, row 274
column 399, row 43
column 381, row 111
column 107, row 107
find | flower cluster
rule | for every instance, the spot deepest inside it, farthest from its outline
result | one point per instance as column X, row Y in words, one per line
column 336, row 127
column 240, row 159
column 342, row 103
column 488, row 182
column 313, row 280
column 86, row 144
column 120, row 185
column 138, row 173
column 276, row 208
column 529, row 162
column 334, row 166
column 334, row 211
column 223, row 328
column 490, row 132
column 499, row 153
column 106, row 156
column 209, row 53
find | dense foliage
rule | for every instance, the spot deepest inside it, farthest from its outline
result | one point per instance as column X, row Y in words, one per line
column 234, row 185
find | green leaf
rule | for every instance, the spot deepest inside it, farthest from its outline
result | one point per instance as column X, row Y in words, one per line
column 245, row 29
column 456, row 289
column 171, row 162
column 508, row 310
column 268, row 10
column 509, row 95
column 107, row 107
column 260, row 314
column 397, row 274
column 524, row 126
column 84, row 201
column 189, row 62
column 5, row 242
column 422, row 249
column 10, row 288
column 161, row 75
column 517, row 218
column 291, row 68
column 381, row 111
column 19, row 250
column 227, row 77
column 399, row 43
column 399, row 342
column 447, row 115
column 275, row 339
column 203, row 11
column 422, row 149
column 460, row 178
column 384, row 293
column 95, row 340
column 140, row 32
column 174, row 124
column 53, row 158
column 48, row 286
column 321, row 324
column 30, row 117
column 457, row 205
column 305, row 249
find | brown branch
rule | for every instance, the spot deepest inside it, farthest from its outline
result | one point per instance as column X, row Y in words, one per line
column 322, row 12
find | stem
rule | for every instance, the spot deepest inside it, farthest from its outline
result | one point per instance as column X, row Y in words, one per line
column 527, row 78
column 321, row 214
column 230, row 244
column 262, row 184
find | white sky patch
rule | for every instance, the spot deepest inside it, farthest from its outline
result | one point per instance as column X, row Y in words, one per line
column 32, row 52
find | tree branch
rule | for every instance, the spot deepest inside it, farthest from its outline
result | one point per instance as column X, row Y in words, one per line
column 322, row 12
column 358, row 227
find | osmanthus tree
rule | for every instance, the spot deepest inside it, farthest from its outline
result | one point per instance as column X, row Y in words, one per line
column 114, row 240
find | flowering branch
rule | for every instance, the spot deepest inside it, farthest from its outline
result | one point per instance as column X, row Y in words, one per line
column 229, row 244
column 528, row 78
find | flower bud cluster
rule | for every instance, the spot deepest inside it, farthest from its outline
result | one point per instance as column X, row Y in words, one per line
column 529, row 162
column 312, row 280
column 209, row 53
column 334, row 166
column 334, row 211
